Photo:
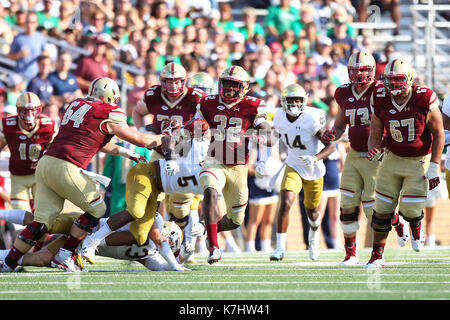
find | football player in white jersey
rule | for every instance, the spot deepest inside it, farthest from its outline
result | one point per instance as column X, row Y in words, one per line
column 191, row 146
column 300, row 127
column 147, row 254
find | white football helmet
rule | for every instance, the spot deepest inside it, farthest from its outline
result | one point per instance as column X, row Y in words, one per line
column 174, row 235
column 104, row 89
column 234, row 84
column 173, row 71
column 294, row 99
column 361, row 68
column 202, row 81
column 28, row 108
column 398, row 77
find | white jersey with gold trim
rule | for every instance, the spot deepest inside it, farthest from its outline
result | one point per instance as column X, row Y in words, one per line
column 300, row 138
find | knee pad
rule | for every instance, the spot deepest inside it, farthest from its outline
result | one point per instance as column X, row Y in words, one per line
column 181, row 222
column 33, row 232
column 350, row 216
column 86, row 222
column 226, row 224
column 383, row 224
column 412, row 221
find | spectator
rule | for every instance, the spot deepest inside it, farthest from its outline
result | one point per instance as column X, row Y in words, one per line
column 280, row 18
column 97, row 24
column 392, row 5
column 389, row 54
column 66, row 16
column 27, row 47
column 368, row 46
column 237, row 48
column 6, row 32
column 310, row 70
column 41, row 85
column 341, row 40
column 300, row 61
column 120, row 29
column 250, row 27
column 94, row 66
column 340, row 16
column 64, row 82
column 159, row 15
column 312, row 38
column 277, row 53
column 307, row 16
column 53, row 111
column 46, row 18
column 16, row 85
column 226, row 19
column 180, row 18
column 323, row 53
column 288, row 42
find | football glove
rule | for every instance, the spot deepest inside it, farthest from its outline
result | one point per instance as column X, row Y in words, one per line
column 198, row 229
column 168, row 126
column 374, row 154
column 328, row 135
column 308, row 161
column 432, row 175
column 171, row 168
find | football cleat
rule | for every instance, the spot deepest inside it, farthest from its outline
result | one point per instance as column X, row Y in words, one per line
column 351, row 258
column 65, row 260
column 313, row 244
column 402, row 232
column 277, row 255
column 418, row 237
column 4, row 268
column 376, row 261
column 214, row 255
column 88, row 248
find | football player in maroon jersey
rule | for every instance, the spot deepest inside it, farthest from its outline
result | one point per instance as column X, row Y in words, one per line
column 414, row 141
column 86, row 128
column 27, row 136
column 231, row 115
column 359, row 174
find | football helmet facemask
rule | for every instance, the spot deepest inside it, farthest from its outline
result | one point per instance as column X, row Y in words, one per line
column 398, row 77
column 234, row 84
column 202, row 81
column 294, row 99
column 173, row 79
column 104, row 89
column 172, row 232
column 28, row 108
column 361, row 68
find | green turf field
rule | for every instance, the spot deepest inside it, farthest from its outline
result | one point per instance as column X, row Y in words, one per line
column 407, row 275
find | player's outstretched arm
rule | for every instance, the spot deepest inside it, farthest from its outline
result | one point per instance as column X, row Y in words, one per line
column 338, row 129
column 329, row 146
column 268, row 135
column 133, row 136
column 375, row 138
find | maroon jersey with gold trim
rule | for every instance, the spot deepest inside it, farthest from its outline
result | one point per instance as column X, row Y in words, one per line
column 182, row 109
column 357, row 112
column 83, row 131
column 406, row 132
column 228, row 125
column 27, row 147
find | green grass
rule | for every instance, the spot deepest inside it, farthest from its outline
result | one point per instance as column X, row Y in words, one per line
column 407, row 275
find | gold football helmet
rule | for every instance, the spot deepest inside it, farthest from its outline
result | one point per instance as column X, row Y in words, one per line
column 28, row 108
column 202, row 81
column 398, row 77
column 173, row 71
column 361, row 68
column 172, row 232
column 234, row 84
column 104, row 89
column 294, row 99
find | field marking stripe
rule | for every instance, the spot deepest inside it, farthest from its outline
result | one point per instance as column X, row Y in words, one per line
column 219, row 282
column 227, row 291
